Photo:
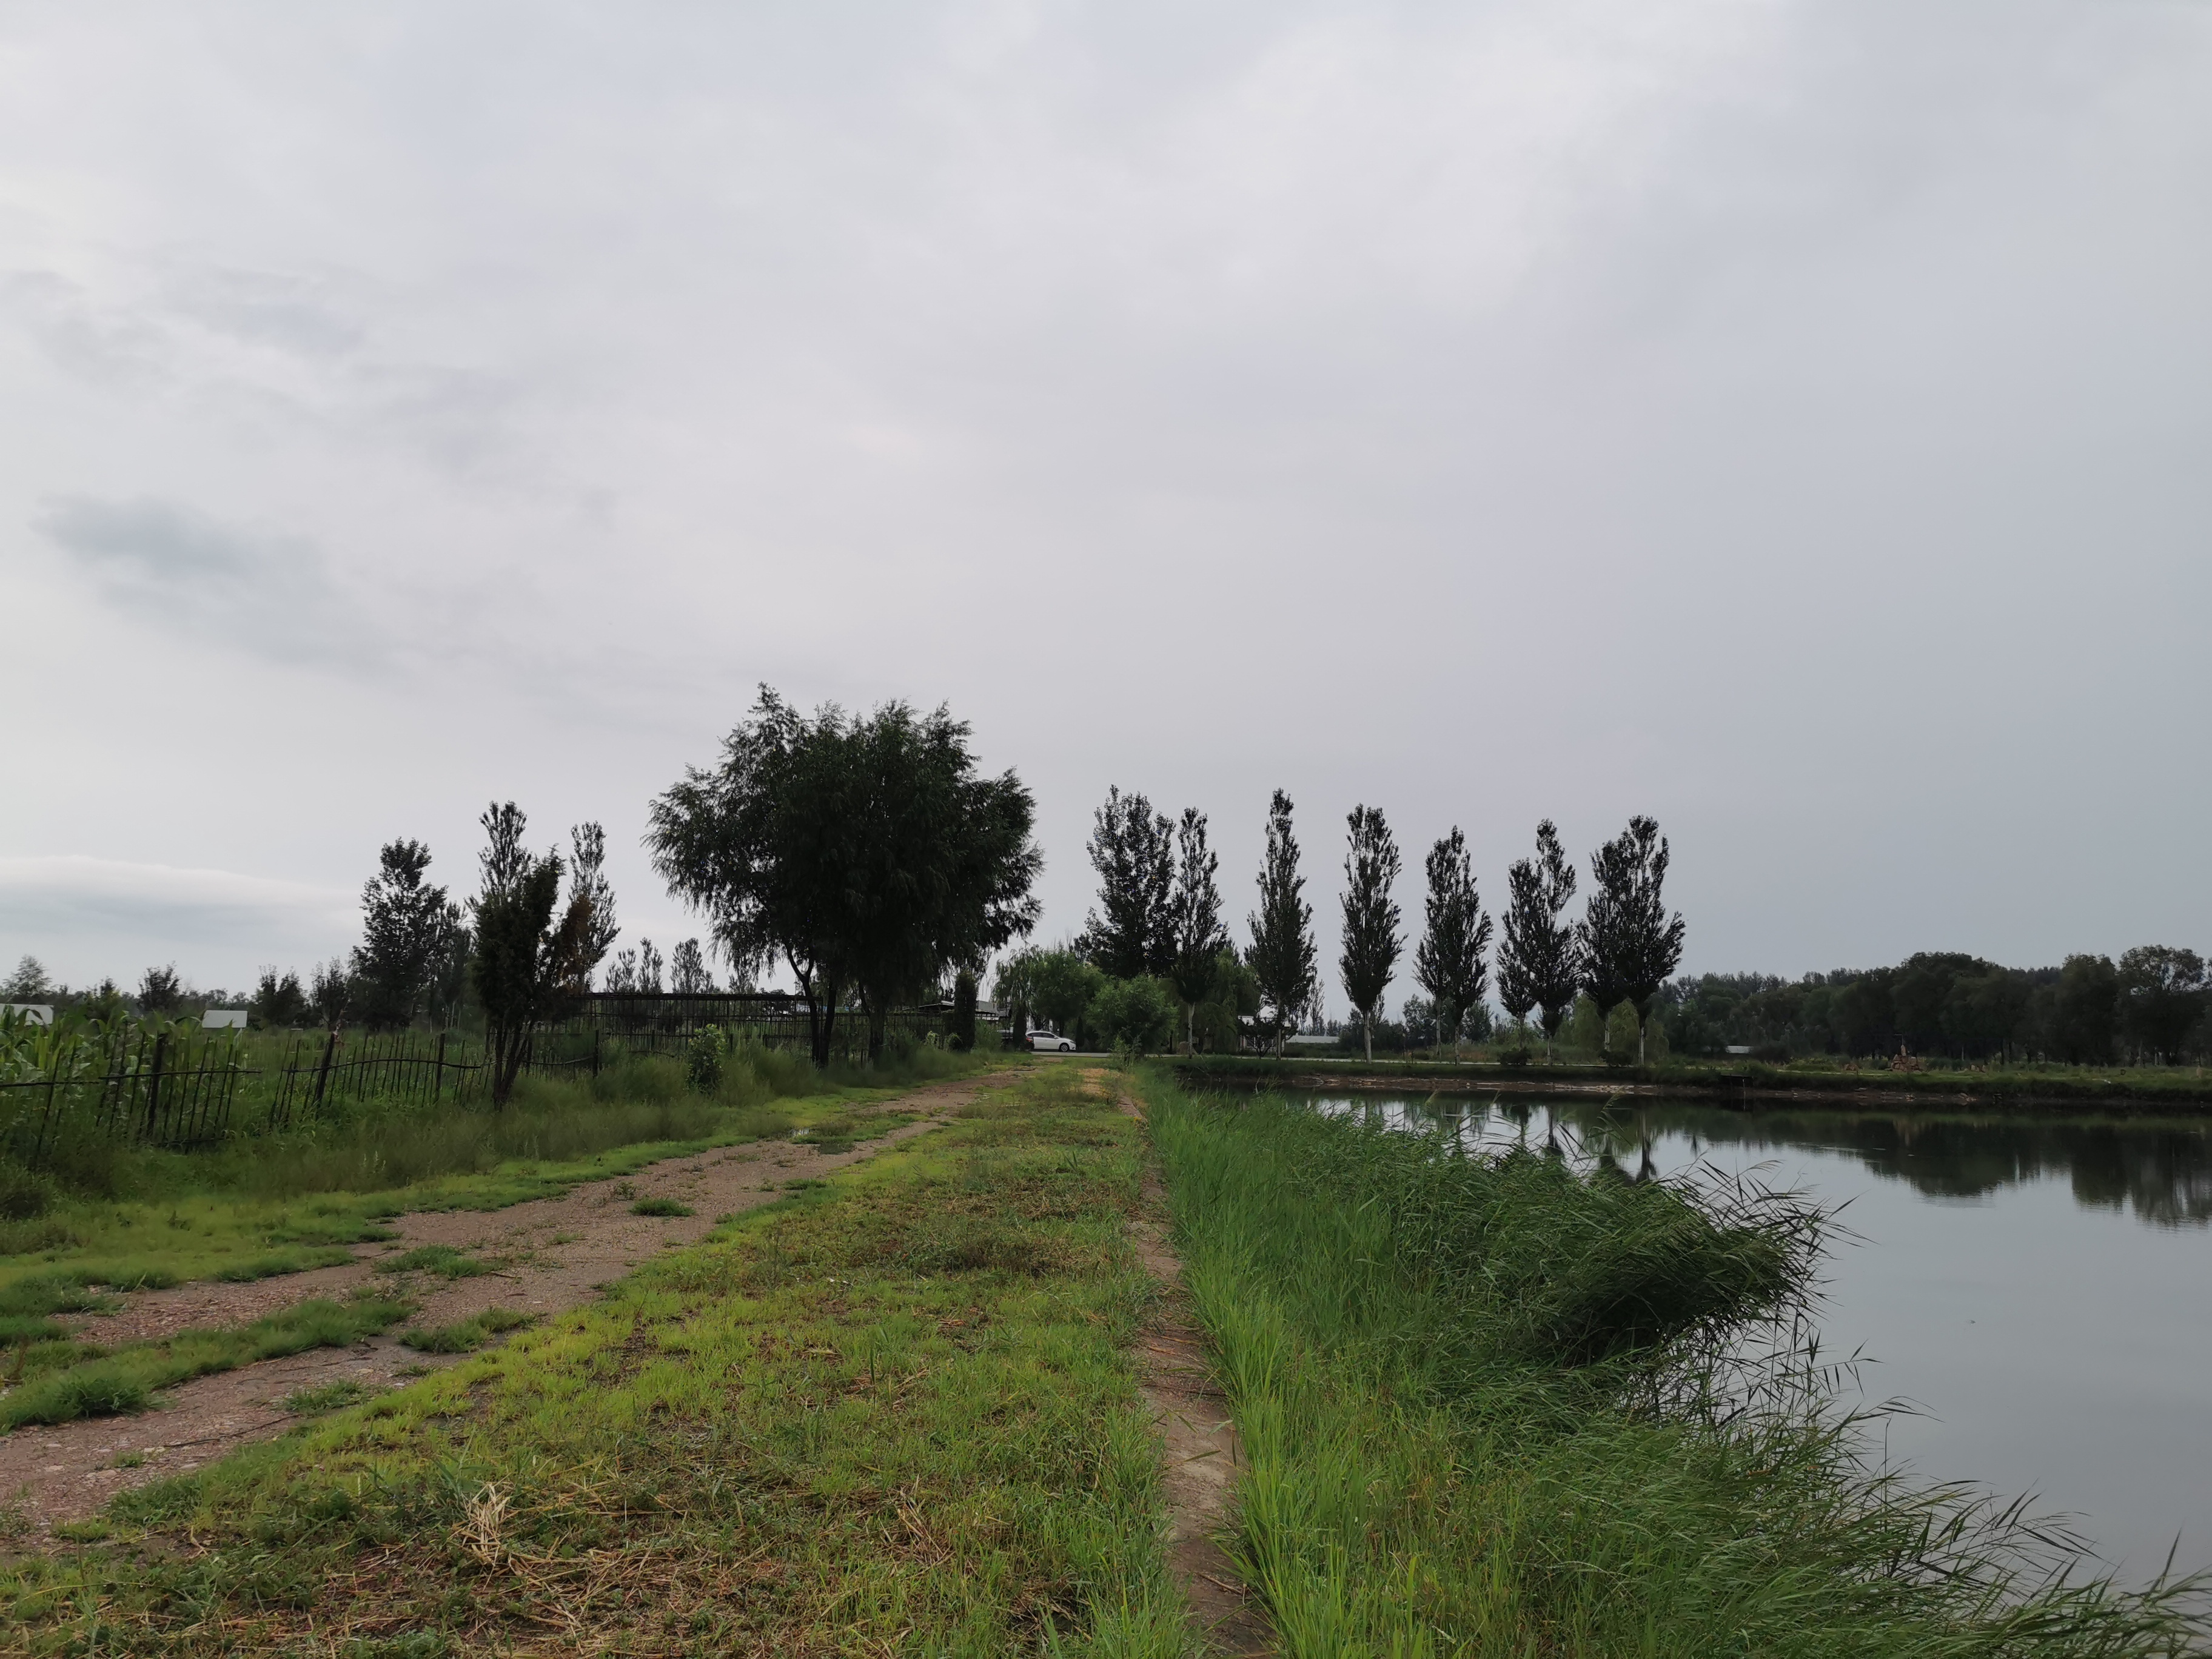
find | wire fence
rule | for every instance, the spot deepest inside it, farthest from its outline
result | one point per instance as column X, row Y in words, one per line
column 178, row 1088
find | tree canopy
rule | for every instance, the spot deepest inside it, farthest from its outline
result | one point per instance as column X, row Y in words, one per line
column 867, row 853
column 1537, row 965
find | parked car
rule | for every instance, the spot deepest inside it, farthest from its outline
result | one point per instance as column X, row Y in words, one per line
column 1050, row 1042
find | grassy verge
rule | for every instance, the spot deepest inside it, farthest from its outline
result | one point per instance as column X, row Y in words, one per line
column 283, row 1204
column 1486, row 1410
column 893, row 1412
column 2175, row 1086
column 109, row 1383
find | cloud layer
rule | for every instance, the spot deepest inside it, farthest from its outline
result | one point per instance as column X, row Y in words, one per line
column 1784, row 420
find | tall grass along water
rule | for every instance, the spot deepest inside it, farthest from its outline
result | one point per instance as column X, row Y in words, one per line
column 1500, row 1401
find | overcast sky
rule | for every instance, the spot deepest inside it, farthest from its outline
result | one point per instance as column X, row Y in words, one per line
column 1792, row 421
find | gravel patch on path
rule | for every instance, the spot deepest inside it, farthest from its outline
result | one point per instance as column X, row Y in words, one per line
column 545, row 1256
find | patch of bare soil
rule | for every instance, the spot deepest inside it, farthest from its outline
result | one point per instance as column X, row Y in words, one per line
column 544, row 1257
column 1198, row 1449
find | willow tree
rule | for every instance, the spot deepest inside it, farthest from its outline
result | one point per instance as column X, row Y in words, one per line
column 867, row 855
column 1371, row 940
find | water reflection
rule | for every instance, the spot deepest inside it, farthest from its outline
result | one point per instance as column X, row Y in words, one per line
column 2040, row 1287
column 2159, row 1172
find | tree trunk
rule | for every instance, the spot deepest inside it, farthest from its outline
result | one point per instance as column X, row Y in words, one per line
column 1367, row 1028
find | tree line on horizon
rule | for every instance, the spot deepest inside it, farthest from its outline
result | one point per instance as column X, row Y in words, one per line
column 1154, row 953
column 2154, row 1005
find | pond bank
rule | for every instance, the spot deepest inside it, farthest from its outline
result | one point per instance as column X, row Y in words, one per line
column 1746, row 1088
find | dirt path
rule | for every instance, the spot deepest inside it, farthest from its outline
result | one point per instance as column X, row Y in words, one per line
column 1199, row 1445
column 546, row 1256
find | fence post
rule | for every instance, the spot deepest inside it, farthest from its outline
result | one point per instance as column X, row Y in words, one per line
column 323, row 1072
column 154, row 1083
column 438, row 1081
column 595, row 1053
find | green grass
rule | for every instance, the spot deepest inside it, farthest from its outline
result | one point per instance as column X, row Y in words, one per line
column 1486, row 1410
column 443, row 1260
column 895, row 1413
column 667, row 1206
column 466, row 1335
column 126, row 1379
column 285, row 1204
column 329, row 1397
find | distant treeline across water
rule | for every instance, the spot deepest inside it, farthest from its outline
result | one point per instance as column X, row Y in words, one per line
column 2149, row 1006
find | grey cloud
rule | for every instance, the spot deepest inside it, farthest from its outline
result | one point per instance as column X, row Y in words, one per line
column 269, row 309
column 269, row 595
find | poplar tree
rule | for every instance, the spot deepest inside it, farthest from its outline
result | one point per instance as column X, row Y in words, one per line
column 1627, row 943
column 1371, row 940
column 1448, row 962
column 1282, row 957
column 1194, row 909
column 1537, row 963
column 1132, row 849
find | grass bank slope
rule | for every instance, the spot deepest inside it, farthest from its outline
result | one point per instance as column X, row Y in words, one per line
column 894, row 1413
column 2165, row 1088
column 1483, row 1414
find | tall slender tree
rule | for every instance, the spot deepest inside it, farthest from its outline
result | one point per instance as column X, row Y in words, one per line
column 587, row 872
column 1450, row 959
column 407, row 925
column 534, row 955
column 1282, row 957
column 1132, row 849
column 1194, row 907
column 1536, row 960
column 1627, row 943
column 1372, row 942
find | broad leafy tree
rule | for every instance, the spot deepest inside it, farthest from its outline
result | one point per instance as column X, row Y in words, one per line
column 1628, row 943
column 2162, row 995
column 1132, row 848
column 1537, row 965
column 1371, row 940
column 407, row 923
column 1449, row 961
column 1194, row 909
column 1282, row 957
column 2083, row 1019
column 868, row 854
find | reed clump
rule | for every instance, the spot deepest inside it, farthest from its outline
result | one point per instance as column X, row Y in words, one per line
column 1504, row 1406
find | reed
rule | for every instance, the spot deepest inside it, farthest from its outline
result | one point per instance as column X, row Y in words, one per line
column 1497, row 1406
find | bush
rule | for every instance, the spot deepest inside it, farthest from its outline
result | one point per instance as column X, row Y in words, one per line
column 1136, row 1013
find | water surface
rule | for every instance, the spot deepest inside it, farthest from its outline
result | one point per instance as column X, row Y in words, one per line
column 2040, row 1290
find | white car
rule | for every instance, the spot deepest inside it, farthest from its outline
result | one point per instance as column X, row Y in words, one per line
column 1050, row 1042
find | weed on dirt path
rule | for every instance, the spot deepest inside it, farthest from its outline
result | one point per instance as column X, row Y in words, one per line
column 893, row 1411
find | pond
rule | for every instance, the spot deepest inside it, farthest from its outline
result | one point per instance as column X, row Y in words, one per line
column 2038, row 1289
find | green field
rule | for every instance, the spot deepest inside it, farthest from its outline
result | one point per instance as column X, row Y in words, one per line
column 1487, row 1408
